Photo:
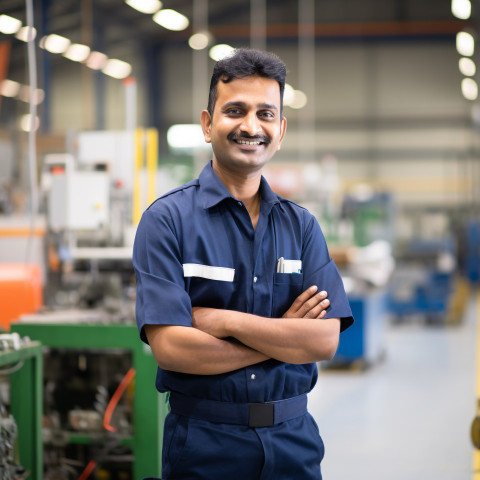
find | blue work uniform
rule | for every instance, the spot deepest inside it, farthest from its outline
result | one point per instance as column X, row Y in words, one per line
column 196, row 246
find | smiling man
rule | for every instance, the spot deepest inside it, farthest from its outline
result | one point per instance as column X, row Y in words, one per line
column 231, row 296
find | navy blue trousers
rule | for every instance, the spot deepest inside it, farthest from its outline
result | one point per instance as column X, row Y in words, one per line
column 200, row 450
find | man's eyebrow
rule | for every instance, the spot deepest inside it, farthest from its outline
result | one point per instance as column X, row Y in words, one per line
column 268, row 106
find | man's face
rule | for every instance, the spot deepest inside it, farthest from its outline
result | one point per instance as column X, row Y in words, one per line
column 247, row 127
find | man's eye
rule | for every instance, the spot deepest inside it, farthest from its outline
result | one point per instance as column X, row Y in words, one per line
column 267, row 115
column 233, row 111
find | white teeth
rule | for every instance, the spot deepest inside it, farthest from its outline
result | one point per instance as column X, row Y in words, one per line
column 244, row 142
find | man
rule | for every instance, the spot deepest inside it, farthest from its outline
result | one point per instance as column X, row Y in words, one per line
column 231, row 283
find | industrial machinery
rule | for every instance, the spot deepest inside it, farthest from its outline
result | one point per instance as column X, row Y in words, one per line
column 100, row 413
column 422, row 286
column 9, row 469
column 19, row 356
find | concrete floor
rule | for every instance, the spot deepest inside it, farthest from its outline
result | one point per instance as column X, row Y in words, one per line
column 407, row 417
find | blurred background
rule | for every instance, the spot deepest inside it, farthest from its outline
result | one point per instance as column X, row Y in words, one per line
column 100, row 103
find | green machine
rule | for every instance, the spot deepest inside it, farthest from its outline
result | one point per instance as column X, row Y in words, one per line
column 97, row 351
column 24, row 369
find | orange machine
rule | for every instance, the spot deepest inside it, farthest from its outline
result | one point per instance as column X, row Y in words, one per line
column 20, row 291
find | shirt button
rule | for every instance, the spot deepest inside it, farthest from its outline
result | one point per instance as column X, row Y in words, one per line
column 255, row 279
column 253, row 376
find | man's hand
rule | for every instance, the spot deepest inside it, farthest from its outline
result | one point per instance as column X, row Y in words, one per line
column 309, row 304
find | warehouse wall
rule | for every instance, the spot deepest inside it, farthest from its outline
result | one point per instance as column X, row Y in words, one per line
column 391, row 112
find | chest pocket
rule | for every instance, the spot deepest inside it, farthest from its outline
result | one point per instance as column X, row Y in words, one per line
column 286, row 288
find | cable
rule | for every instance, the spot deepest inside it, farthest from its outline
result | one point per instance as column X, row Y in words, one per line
column 88, row 470
column 115, row 399
column 12, row 369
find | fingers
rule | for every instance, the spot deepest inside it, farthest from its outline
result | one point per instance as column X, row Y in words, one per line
column 303, row 298
column 316, row 306
column 309, row 304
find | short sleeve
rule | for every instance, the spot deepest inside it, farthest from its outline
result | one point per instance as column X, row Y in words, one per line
column 161, row 296
column 320, row 270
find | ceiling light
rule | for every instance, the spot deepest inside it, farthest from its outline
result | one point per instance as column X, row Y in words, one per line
column 461, row 9
column 24, row 95
column 96, row 60
column 467, row 66
column 26, row 123
column 77, row 52
column 299, row 99
column 117, row 68
column 465, row 44
column 26, row 34
column 171, row 20
column 9, row 88
column 222, row 50
column 200, row 40
column 469, row 89
column 56, row 43
column 288, row 94
column 9, row 24
column 145, row 6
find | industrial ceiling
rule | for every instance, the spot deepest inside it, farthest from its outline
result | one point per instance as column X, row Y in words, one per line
column 108, row 25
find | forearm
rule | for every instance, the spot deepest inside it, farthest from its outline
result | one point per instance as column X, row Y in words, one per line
column 188, row 350
column 291, row 340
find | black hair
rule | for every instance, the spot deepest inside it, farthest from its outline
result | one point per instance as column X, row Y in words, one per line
column 245, row 62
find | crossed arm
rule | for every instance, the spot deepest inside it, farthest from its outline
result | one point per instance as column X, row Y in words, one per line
column 297, row 337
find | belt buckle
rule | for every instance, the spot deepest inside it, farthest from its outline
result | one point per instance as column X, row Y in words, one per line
column 260, row 415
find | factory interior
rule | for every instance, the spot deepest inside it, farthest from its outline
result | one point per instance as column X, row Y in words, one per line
column 100, row 105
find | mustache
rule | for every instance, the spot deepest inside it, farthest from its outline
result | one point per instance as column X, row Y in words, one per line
column 243, row 136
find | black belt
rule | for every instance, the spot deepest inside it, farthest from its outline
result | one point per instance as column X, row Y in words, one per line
column 254, row 415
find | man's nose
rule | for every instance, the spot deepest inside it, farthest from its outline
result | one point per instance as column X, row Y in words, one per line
column 250, row 124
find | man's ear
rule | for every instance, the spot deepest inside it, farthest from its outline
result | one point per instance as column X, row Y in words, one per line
column 283, row 129
column 206, row 122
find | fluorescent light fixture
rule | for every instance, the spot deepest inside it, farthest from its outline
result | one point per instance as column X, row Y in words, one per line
column 465, row 44
column 117, row 68
column 26, row 34
column 222, row 50
column 462, row 9
column 77, row 52
column 145, row 6
column 467, row 66
column 9, row 24
column 56, row 43
column 171, row 20
column 186, row 136
column 26, row 123
column 199, row 41
column 96, row 60
column 9, row 88
column 469, row 89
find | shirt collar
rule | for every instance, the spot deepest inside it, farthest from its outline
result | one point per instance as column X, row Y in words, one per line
column 213, row 191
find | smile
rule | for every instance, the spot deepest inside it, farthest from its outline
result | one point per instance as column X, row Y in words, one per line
column 245, row 142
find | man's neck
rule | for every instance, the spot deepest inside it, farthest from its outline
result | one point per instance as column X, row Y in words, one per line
column 245, row 188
